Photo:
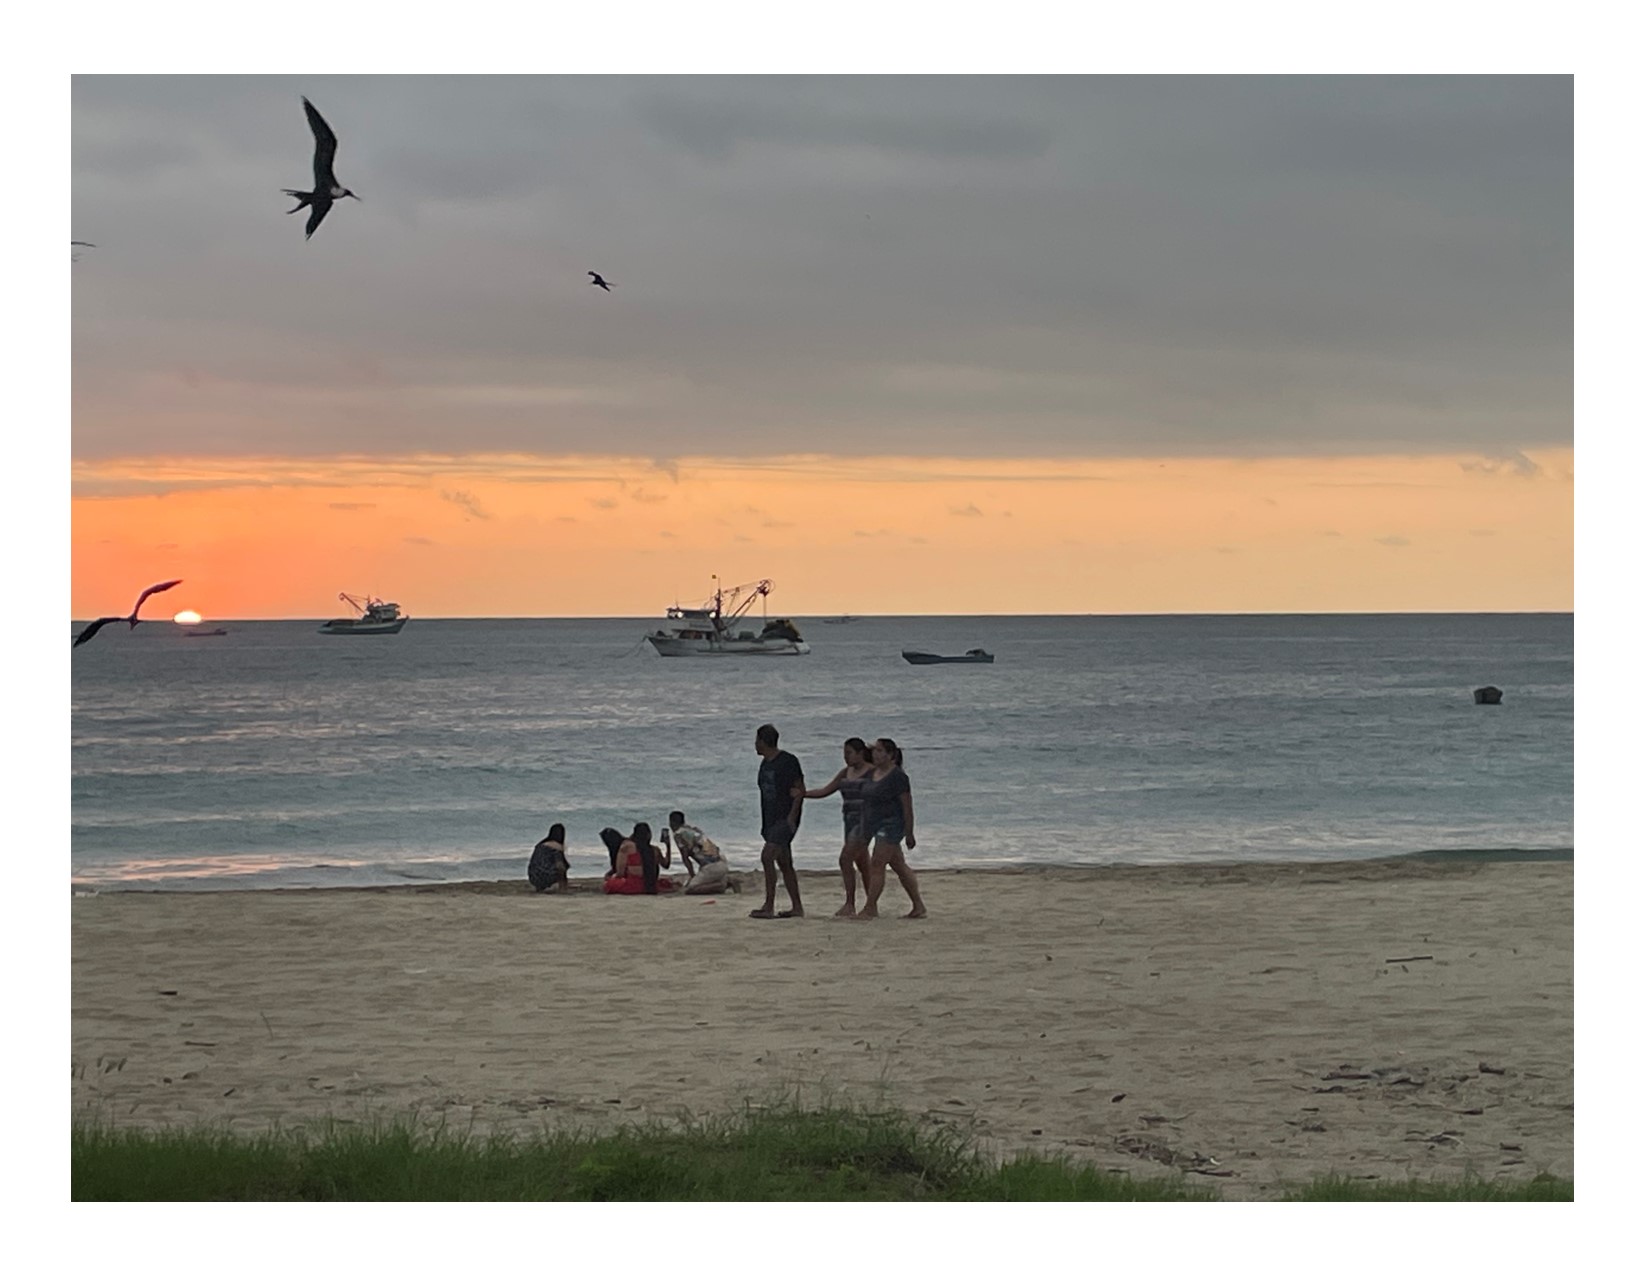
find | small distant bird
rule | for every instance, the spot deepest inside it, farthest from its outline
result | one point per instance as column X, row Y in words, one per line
column 90, row 631
column 597, row 281
column 78, row 243
column 320, row 200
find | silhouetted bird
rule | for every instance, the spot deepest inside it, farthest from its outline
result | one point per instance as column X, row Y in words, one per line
column 320, row 200
column 90, row 631
column 597, row 281
column 78, row 243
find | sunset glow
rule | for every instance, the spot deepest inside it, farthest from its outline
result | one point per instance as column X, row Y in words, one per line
column 186, row 617
column 507, row 535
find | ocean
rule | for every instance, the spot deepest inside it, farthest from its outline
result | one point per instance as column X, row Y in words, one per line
column 277, row 757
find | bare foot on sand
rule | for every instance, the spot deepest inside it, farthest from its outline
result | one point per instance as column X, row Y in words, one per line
column 847, row 909
column 915, row 915
column 866, row 914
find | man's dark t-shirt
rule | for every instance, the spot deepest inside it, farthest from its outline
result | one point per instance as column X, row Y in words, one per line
column 775, row 779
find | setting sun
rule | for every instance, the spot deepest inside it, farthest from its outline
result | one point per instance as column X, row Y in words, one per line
column 187, row 617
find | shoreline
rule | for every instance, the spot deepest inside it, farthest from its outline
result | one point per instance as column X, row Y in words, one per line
column 1425, row 860
column 1251, row 1025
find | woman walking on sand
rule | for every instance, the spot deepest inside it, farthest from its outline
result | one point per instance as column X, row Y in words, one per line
column 887, row 817
column 850, row 782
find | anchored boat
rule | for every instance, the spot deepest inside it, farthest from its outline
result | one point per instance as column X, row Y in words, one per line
column 372, row 616
column 974, row 656
column 722, row 627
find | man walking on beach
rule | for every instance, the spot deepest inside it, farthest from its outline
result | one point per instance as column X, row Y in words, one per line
column 779, row 781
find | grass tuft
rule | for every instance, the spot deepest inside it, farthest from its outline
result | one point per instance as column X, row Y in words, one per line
column 784, row 1152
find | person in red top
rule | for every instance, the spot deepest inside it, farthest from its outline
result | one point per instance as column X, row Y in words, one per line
column 636, row 866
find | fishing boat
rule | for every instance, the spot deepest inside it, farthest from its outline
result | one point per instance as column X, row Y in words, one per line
column 722, row 626
column 973, row 656
column 841, row 619
column 206, row 633
column 372, row 616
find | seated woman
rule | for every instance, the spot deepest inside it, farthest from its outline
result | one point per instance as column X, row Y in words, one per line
column 636, row 866
column 547, row 869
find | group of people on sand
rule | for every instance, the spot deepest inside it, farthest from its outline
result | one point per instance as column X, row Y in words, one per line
column 878, row 826
column 634, row 861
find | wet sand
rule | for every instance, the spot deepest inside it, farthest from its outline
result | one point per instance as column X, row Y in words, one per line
column 1247, row 1026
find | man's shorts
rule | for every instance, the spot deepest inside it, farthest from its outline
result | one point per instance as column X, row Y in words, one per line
column 779, row 834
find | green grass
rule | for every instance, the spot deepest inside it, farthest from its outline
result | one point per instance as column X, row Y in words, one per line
column 786, row 1153
column 1542, row 1187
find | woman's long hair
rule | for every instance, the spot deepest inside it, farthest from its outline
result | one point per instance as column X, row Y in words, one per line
column 612, row 838
column 642, row 835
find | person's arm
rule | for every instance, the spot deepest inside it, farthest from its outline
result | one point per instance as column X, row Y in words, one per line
column 664, row 845
column 829, row 788
column 798, row 788
column 910, row 820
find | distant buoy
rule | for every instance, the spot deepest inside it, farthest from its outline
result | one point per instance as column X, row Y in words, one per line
column 1487, row 695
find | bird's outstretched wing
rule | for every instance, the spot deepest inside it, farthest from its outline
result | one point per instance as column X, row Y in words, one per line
column 81, row 243
column 326, row 146
column 90, row 631
column 318, row 210
column 154, row 588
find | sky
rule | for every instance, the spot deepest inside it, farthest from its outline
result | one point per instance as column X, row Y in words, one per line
column 902, row 344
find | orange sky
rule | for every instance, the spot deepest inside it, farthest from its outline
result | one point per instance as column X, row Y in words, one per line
column 519, row 535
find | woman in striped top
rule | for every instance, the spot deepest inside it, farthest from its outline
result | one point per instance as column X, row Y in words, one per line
column 850, row 782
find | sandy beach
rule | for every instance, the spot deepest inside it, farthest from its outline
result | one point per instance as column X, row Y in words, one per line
column 1249, row 1026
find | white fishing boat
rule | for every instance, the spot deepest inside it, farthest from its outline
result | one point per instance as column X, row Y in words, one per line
column 722, row 626
column 372, row 616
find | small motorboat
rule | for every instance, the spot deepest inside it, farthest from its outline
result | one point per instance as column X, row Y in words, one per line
column 206, row 633
column 974, row 656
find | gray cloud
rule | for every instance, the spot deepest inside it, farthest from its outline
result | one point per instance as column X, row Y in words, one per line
column 970, row 510
column 1514, row 462
column 1042, row 266
column 467, row 502
column 1393, row 542
column 351, row 505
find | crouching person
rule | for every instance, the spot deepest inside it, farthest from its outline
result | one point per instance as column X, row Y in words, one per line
column 707, row 869
column 547, row 869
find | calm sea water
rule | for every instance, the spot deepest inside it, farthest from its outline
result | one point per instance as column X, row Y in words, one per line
column 276, row 756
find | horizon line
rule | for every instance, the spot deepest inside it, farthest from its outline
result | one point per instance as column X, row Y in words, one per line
column 893, row 615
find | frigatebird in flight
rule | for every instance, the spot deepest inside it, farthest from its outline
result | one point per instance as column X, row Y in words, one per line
column 597, row 281
column 90, row 631
column 320, row 200
column 78, row 243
